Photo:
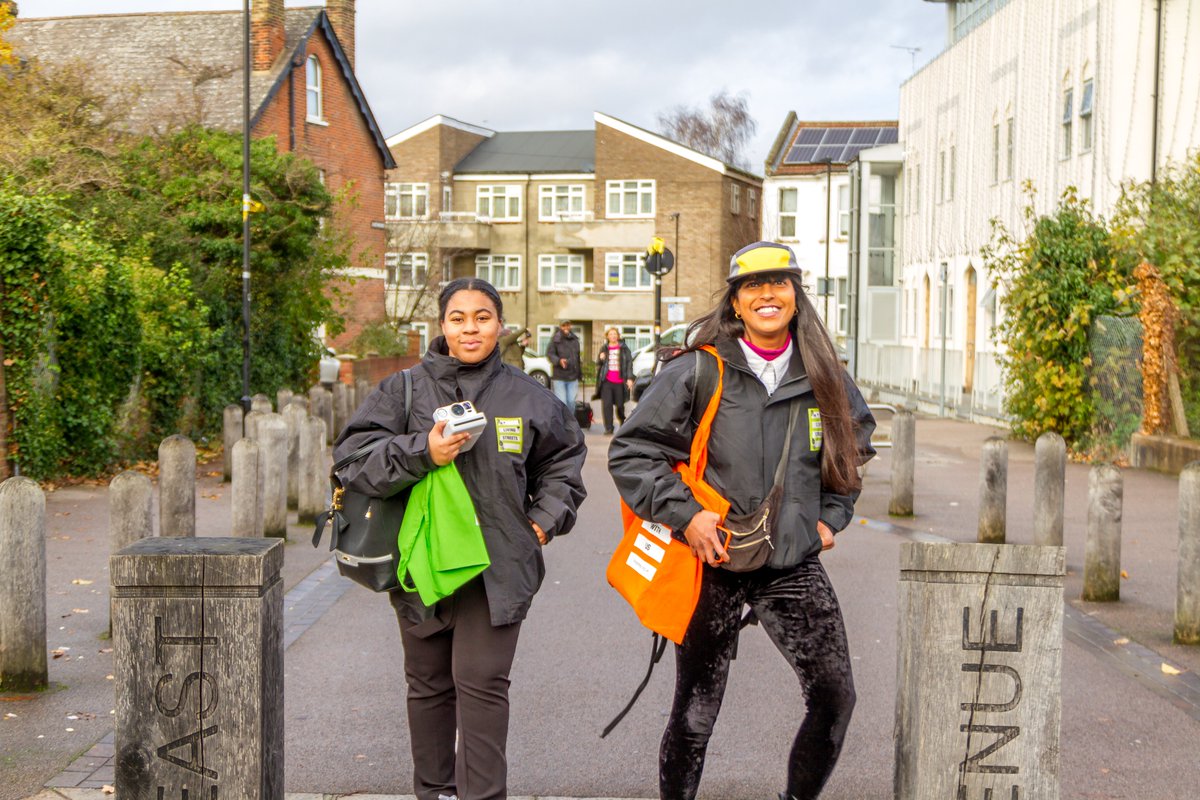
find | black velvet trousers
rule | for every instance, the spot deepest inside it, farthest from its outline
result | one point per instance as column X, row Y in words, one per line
column 799, row 611
column 612, row 397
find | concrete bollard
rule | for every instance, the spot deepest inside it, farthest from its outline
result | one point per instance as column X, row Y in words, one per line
column 1187, row 590
column 22, row 586
column 247, row 500
column 231, row 432
column 1102, row 553
column 320, row 405
column 1049, row 489
column 198, row 660
column 252, row 423
column 282, row 398
column 362, row 388
column 979, row 672
column 294, row 416
column 272, row 467
column 301, row 401
column 993, row 491
column 260, row 402
column 341, row 407
column 904, row 463
column 130, row 511
column 177, row 487
column 313, row 478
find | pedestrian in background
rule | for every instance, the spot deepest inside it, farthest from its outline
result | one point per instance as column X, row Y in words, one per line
column 523, row 474
column 565, row 358
column 512, row 347
column 614, row 374
column 781, row 373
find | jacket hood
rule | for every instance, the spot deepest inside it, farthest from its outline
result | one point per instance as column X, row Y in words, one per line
column 447, row 370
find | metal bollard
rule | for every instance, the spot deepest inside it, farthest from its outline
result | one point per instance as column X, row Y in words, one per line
column 904, row 463
column 1187, row 592
column 1049, row 488
column 177, row 487
column 1102, row 553
column 230, row 433
column 993, row 491
column 22, row 586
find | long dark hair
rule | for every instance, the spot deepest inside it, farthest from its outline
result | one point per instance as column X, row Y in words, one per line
column 469, row 285
column 839, row 450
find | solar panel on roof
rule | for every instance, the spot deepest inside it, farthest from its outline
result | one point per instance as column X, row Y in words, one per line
column 888, row 136
column 810, row 136
column 851, row 152
column 836, row 136
column 800, row 155
column 864, row 136
column 833, row 154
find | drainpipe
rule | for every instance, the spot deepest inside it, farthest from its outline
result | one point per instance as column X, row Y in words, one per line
column 945, row 273
column 1158, row 15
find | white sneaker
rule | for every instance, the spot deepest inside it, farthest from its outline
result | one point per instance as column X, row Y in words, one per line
column 447, row 797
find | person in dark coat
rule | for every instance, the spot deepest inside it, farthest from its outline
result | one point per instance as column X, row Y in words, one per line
column 779, row 365
column 523, row 474
column 566, row 369
column 614, row 377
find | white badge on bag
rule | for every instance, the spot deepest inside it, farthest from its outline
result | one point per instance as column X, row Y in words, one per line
column 648, row 547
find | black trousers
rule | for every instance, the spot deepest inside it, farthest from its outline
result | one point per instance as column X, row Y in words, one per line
column 799, row 611
column 612, row 395
column 457, row 666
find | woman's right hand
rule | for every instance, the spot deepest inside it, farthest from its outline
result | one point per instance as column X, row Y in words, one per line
column 443, row 449
column 703, row 538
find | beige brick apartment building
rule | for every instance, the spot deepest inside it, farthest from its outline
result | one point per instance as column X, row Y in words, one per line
column 559, row 222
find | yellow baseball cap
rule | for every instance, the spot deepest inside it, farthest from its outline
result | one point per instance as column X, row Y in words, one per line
column 762, row 257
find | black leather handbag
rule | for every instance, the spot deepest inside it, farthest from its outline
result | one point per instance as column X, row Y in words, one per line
column 365, row 530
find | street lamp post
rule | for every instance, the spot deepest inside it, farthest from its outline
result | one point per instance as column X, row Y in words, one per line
column 246, row 206
column 828, row 203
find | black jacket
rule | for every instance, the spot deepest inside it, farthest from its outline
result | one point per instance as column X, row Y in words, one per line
column 626, row 361
column 743, row 451
column 535, row 476
column 564, row 345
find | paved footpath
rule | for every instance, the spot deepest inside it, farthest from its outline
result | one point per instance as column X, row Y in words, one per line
column 1129, row 728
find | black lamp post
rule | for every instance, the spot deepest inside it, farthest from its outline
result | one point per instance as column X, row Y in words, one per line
column 246, row 206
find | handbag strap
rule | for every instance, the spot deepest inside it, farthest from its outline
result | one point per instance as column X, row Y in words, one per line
column 406, row 381
column 698, row 458
column 787, row 441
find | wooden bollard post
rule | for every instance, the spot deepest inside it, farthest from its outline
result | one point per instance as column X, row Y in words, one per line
column 230, row 433
column 313, row 479
column 341, row 407
column 978, row 694
column 198, row 652
column 260, row 402
column 294, row 415
column 326, row 414
column 362, row 388
column 904, row 463
column 247, row 500
column 1102, row 552
column 22, row 586
column 130, row 511
column 1187, row 591
column 272, row 466
column 251, row 425
column 282, row 398
column 177, row 487
column 1049, row 489
column 993, row 491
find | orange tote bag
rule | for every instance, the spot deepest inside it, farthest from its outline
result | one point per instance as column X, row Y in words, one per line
column 655, row 573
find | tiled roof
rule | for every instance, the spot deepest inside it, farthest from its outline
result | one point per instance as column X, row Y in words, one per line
column 806, row 147
column 532, row 151
column 179, row 67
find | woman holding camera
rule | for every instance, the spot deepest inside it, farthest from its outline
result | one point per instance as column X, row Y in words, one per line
column 523, row 473
column 781, row 376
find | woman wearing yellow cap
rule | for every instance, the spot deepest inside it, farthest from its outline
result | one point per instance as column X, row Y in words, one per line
column 790, row 432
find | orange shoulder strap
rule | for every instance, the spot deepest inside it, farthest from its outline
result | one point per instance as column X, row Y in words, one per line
column 693, row 472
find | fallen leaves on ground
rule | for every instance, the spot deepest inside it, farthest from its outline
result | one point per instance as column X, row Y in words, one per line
column 1170, row 670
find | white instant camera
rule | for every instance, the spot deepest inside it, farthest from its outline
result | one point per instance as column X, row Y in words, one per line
column 461, row 417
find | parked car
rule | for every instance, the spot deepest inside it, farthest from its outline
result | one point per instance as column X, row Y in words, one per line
column 645, row 360
column 537, row 367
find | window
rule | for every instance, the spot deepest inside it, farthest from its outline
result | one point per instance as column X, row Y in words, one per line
column 544, row 334
column 498, row 203
column 735, row 198
column 630, row 198
column 560, row 202
column 843, row 304
column 953, row 164
column 787, row 213
column 1086, row 101
column 406, row 200
column 503, row 272
column 312, row 82
column 1012, row 129
column 942, row 177
column 635, row 336
column 406, row 270
column 447, row 199
column 557, row 271
column 1067, row 119
column 752, row 203
column 881, row 231
column 625, row 271
column 422, row 329
column 843, row 229
column 916, row 187
column 996, row 153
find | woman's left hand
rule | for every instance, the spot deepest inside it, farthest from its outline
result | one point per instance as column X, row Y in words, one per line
column 541, row 534
column 826, row 536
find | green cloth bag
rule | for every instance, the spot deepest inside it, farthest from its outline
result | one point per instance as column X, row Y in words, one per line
column 441, row 544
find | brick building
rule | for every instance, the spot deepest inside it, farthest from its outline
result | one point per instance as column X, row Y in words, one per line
column 559, row 222
column 183, row 68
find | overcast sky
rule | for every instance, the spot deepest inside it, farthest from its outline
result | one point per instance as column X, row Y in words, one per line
column 542, row 65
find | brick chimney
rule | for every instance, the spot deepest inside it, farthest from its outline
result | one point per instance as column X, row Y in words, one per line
column 341, row 16
column 266, row 33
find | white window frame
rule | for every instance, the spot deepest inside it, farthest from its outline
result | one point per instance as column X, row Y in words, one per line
column 1087, row 100
column 575, row 195
column 544, row 334
column 995, row 153
column 572, row 262
column 735, row 198
column 1012, row 132
column 843, row 228
column 394, row 264
column 500, row 270
column 510, row 197
column 635, row 336
column 640, row 189
column 422, row 329
column 621, row 261
column 394, row 193
column 941, row 177
column 752, row 203
column 1067, row 124
column 313, row 91
column 789, row 215
column 953, row 171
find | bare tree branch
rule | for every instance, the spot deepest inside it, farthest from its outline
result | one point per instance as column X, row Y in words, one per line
column 723, row 130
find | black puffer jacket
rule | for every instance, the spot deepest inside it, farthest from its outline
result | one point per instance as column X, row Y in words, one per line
column 533, row 474
column 743, row 451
